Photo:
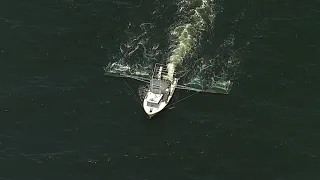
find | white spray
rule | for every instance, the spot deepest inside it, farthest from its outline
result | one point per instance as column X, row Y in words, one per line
column 187, row 35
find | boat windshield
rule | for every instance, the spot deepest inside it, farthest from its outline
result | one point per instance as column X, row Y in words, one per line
column 151, row 104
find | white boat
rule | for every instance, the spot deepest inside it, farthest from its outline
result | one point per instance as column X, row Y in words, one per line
column 161, row 86
column 160, row 91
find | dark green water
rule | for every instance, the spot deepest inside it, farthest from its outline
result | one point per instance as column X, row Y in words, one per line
column 61, row 118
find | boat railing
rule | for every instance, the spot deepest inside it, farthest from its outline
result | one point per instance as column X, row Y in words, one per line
column 164, row 70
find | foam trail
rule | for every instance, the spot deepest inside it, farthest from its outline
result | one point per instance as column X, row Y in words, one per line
column 186, row 36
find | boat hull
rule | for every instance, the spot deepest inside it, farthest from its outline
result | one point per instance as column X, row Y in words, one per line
column 152, row 108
